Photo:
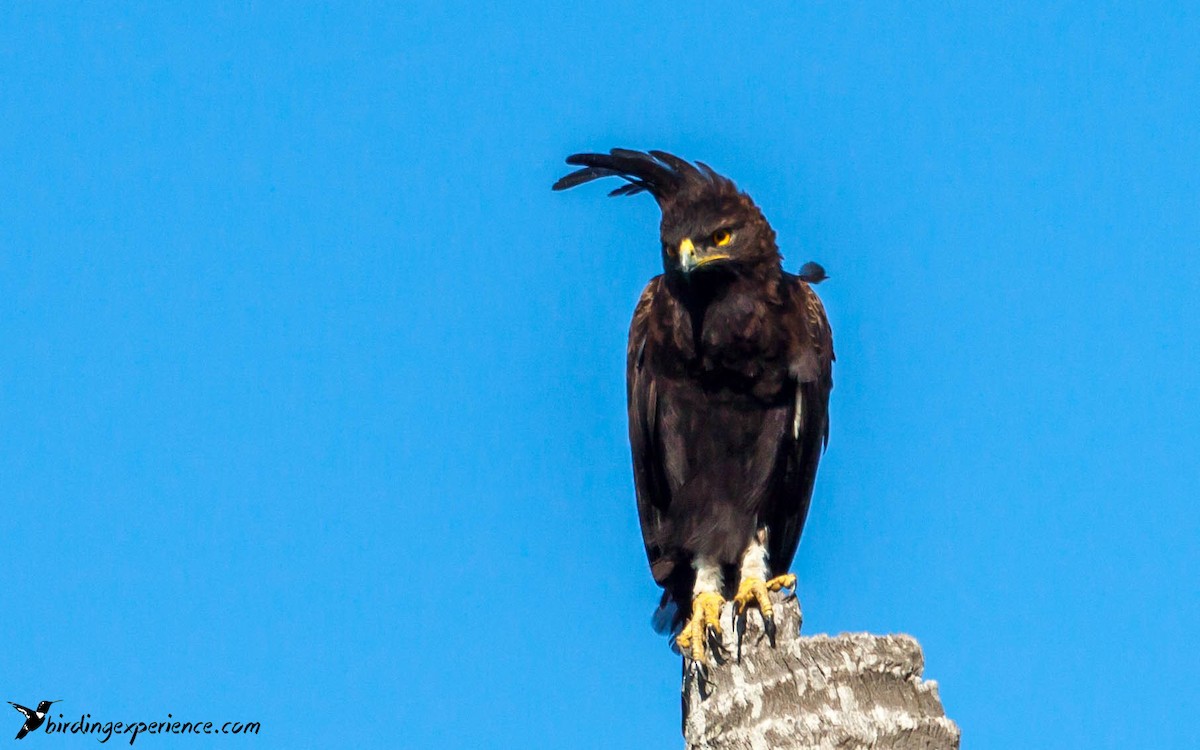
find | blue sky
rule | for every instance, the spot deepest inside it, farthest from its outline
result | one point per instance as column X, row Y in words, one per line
column 313, row 391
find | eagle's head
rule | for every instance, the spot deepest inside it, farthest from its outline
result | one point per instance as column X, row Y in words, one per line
column 709, row 228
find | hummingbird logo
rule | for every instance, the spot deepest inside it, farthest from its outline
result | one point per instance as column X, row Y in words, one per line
column 33, row 718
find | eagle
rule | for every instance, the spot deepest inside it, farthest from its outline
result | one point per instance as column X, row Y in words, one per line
column 728, row 375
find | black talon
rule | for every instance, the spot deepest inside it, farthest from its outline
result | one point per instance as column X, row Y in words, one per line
column 720, row 654
column 715, row 643
column 769, row 628
column 703, row 678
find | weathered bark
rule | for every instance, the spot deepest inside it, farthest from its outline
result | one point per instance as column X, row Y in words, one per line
column 853, row 691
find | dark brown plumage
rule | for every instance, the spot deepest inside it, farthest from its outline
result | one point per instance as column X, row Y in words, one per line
column 728, row 378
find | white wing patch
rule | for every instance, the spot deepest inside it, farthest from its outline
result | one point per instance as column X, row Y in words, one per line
column 798, row 420
column 28, row 712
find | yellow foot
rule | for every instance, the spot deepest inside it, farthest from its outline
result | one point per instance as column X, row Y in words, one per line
column 754, row 591
column 706, row 613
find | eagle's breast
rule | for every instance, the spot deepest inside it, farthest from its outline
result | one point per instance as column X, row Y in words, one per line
column 737, row 342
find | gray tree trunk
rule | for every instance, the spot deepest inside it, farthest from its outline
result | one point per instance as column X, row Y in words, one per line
column 853, row 691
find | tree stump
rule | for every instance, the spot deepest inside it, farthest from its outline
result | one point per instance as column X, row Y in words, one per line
column 852, row 691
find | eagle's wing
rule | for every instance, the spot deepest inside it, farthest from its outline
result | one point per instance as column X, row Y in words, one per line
column 812, row 371
column 653, row 495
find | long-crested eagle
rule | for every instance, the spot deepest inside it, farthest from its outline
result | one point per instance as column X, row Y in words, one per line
column 729, row 369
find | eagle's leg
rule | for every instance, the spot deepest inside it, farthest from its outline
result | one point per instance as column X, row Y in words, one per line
column 755, row 587
column 706, row 611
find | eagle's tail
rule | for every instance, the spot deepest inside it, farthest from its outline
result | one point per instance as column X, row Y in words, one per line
column 666, row 619
column 675, row 606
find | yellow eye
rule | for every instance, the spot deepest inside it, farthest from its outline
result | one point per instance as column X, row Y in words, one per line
column 721, row 237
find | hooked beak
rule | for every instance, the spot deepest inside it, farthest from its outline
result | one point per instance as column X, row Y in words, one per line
column 690, row 260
